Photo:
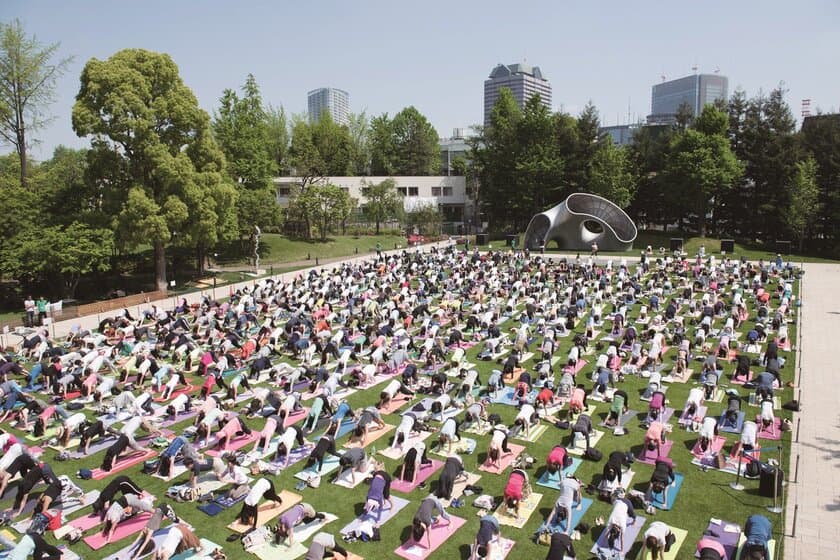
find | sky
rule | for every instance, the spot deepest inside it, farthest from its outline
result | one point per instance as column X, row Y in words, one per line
column 435, row 55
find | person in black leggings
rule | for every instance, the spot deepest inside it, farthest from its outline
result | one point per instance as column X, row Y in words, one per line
column 35, row 545
column 560, row 547
column 452, row 470
column 120, row 483
column 325, row 445
column 96, row 429
column 113, row 453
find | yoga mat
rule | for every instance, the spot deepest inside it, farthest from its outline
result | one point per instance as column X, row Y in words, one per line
column 715, row 447
column 125, row 462
column 268, row 511
column 676, row 378
column 212, row 509
column 346, row 427
column 397, row 504
column 526, row 508
column 425, row 472
column 438, row 534
column 698, row 416
column 630, row 534
column 767, row 434
column 505, row 460
column 656, row 497
column 577, row 516
column 481, row 428
column 128, row 552
column 298, row 454
column 207, row 548
column 175, row 472
column 296, row 416
column 729, row 539
column 395, row 404
column 459, row 486
column 680, row 535
column 505, row 396
column 397, row 453
column 346, row 480
column 663, row 418
column 777, row 404
column 501, row 548
column 662, row 389
column 553, row 481
column 330, row 464
column 124, row 529
column 536, row 432
column 736, row 429
column 95, row 446
column 372, row 436
column 650, row 457
column 581, row 363
column 579, row 446
column 237, row 442
column 626, row 417
column 182, row 416
column 183, row 390
column 271, row 551
column 464, row 446
column 741, row 380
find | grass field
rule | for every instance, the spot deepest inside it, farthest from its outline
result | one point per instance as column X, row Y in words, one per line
column 278, row 249
column 703, row 494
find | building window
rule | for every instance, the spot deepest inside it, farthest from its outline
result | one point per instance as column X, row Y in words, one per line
column 401, row 190
column 447, row 191
column 284, row 191
column 413, row 191
column 435, row 191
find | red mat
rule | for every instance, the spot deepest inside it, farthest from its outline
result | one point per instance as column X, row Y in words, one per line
column 124, row 529
column 650, row 457
column 505, row 461
column 295, row 416
column 236, row 443
column 125, row 462
column 785, row 346
column 176, row 392
column 438, row 534
column 426, row 471
column 767, row 434
column 715, row 447
column 578, row 366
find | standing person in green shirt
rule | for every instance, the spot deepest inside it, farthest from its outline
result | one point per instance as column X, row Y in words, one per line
column 42, row 304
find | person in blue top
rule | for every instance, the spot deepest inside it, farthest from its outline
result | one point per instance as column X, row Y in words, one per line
column 758, row 531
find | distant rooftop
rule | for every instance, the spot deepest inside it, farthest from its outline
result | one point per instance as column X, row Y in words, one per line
column 502, row 70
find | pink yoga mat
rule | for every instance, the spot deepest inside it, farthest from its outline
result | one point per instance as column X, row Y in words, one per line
column 124, row 463
column 785, row 346
column 87, row 522
column 650, row 457
column 715, row 447
column 699, row 414
column 741, row 380
column 578, row 366
column 124, row 529
column 295, row 416
column 425, row 473
column 767, row 434
column 234, row 444
column 505, row 461
column 176, row 392
column 395, row 404
column 437, row 534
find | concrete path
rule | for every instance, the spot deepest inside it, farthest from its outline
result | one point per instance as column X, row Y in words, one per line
column 817, row 489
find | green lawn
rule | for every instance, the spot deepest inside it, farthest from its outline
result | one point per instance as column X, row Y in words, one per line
column 703, row 495
column 278, row 249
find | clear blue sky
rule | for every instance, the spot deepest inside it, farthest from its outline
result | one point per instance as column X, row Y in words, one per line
column 435, row 55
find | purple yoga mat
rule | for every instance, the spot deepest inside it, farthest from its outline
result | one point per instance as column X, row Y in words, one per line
column 729, row 541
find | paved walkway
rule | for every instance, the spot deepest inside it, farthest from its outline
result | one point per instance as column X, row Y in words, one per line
column 817, row 489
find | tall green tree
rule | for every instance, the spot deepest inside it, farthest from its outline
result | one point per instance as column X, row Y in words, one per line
column 167, row 166
column 539, row 166
column 382, row 144
column 612, row 175
column 325, row 204
column 416, row 142
column 804, row 195
column 648, row 152
column 383, row 201
column 359, row 128
column 701, row 167
column 28, row 74
column 242, row 128
column 820, row 138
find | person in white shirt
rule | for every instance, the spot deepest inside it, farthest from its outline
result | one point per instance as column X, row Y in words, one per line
column 263, row 488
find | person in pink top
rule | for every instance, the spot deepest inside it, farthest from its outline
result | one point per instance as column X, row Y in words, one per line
column 710, row 549
column 655, row 437
column 266, row 434
column 232, row 428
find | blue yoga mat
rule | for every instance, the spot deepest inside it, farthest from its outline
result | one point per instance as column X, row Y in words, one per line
column 505, row 396
column 723, row 427
column 630, row 534
column 212, row 509
column 346, row 427
column 656, row 497
column 577, row 515
column 554, row 481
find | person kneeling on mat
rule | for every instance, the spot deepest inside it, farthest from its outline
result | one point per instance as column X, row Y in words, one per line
column 662, row 478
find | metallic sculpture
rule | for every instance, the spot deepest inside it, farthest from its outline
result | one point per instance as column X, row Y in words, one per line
column 578, row 222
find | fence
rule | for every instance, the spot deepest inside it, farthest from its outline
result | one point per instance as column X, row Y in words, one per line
column 119, row 303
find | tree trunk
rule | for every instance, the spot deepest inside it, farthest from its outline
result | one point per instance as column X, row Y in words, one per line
column 23, row 161
column 377, row 227
column 160, row 266
column 200, row 254
column 701, row 224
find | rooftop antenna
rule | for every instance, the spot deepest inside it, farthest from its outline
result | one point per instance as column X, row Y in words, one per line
column 663, row 76
column 717, row 69
column 694, row 68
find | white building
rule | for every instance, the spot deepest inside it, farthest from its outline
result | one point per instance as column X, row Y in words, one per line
column 334, row 101
column 448, row 193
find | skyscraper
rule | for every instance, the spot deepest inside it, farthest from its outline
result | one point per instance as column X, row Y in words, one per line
column 521, row 79
column 695, row 91
column 336, row 101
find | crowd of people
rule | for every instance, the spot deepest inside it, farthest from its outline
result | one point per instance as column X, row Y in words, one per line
column 241, row 389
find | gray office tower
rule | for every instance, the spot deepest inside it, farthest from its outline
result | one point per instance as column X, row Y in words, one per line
column 522, row 80
column 695, row 91
column 336, row 101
